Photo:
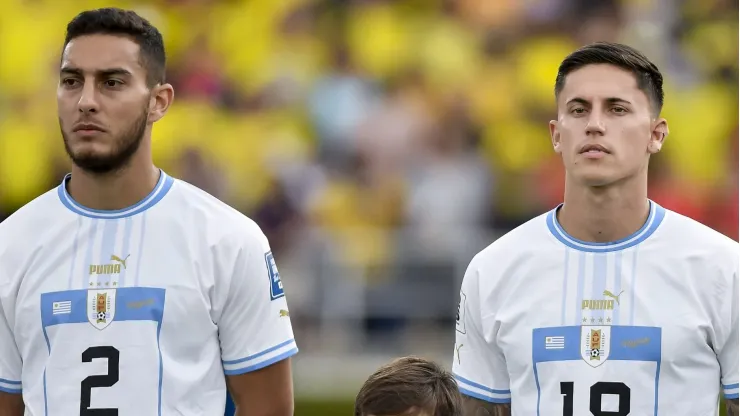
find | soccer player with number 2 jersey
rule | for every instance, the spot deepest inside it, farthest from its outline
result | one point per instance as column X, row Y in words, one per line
column 125, row 291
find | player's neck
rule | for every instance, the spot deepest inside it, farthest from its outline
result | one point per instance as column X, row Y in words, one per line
column 117, row 190
column 604, row 214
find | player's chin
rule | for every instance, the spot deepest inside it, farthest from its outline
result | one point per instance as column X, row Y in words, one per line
column 95, row 160
column 597, row 177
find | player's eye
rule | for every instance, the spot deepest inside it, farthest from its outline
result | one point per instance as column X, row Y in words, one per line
column 69, row 82
column 619, row 110
column 578, row 110
column 112, row 83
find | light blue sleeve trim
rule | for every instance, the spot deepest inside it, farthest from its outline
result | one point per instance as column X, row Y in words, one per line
column 482, row 397
column 480, row 386
column 263, row 364
column 259, row 354
column 2, row 380
column 11, row 391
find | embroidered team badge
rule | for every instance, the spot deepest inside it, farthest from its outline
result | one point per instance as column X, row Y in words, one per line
column 101, row 307
column 595, row 342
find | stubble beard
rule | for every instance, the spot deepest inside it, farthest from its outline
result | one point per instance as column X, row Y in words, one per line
column 124, row 148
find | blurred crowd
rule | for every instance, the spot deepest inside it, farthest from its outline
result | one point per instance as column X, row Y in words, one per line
column 363, row 119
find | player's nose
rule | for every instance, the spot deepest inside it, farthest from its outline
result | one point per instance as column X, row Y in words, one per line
column 88, row 100
column 595, row 124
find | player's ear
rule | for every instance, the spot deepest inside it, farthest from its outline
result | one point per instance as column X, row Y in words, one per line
column 658, row 135
column 160, row 101
column 555, row 135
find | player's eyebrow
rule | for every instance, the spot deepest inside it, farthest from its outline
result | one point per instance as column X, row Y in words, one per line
column 608, row 100
column 617, row 100
column 578, row 100
column 69, row 70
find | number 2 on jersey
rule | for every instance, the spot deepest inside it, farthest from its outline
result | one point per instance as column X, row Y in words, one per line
column 597, row 392
column 102, row 380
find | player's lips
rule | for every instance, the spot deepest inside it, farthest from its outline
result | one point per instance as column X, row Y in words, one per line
column 87, row 128
column 594, row 151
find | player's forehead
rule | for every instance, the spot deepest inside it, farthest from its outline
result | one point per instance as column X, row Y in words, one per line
column 602, row 82
column 100, row 52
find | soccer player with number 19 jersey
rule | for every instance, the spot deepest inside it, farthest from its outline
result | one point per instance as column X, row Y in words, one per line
column 125, row 291
column 608, row 305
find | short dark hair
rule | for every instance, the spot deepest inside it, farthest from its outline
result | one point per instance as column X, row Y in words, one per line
column 115, row 21
column 649, row 78
column 407, row 383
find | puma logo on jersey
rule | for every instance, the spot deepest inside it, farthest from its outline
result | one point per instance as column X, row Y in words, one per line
column 611, row 295
column 601, row 304
column 113, row 257
column 284, row 312
column 112, row 268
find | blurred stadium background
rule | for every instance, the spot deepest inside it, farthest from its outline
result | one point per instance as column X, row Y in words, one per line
column 380, row 144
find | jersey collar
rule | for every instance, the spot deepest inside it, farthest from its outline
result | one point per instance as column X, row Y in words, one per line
column 657, row 213
column 160, row 190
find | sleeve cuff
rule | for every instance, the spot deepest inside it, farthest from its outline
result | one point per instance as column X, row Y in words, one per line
column 481, row 392
column 10, row 386
column 261, row 359
column 730, row 391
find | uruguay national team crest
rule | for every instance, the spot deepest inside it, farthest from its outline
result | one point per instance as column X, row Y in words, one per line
column 101, row 307
column 595, row 344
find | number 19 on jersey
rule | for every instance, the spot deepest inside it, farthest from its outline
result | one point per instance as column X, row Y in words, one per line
column 620, row 391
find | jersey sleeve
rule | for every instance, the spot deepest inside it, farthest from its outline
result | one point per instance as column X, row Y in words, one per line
column 478, row 366
column 729, row 354
column 254, row 327
column 10, row 358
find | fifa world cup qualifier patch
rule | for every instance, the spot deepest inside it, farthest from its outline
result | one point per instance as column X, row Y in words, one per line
column 276, row 285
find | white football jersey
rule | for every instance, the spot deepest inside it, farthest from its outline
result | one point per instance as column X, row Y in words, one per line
column 646, row 326
column 142, row 311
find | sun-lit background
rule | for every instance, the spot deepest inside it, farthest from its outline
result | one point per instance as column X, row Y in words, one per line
column 380, row 144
